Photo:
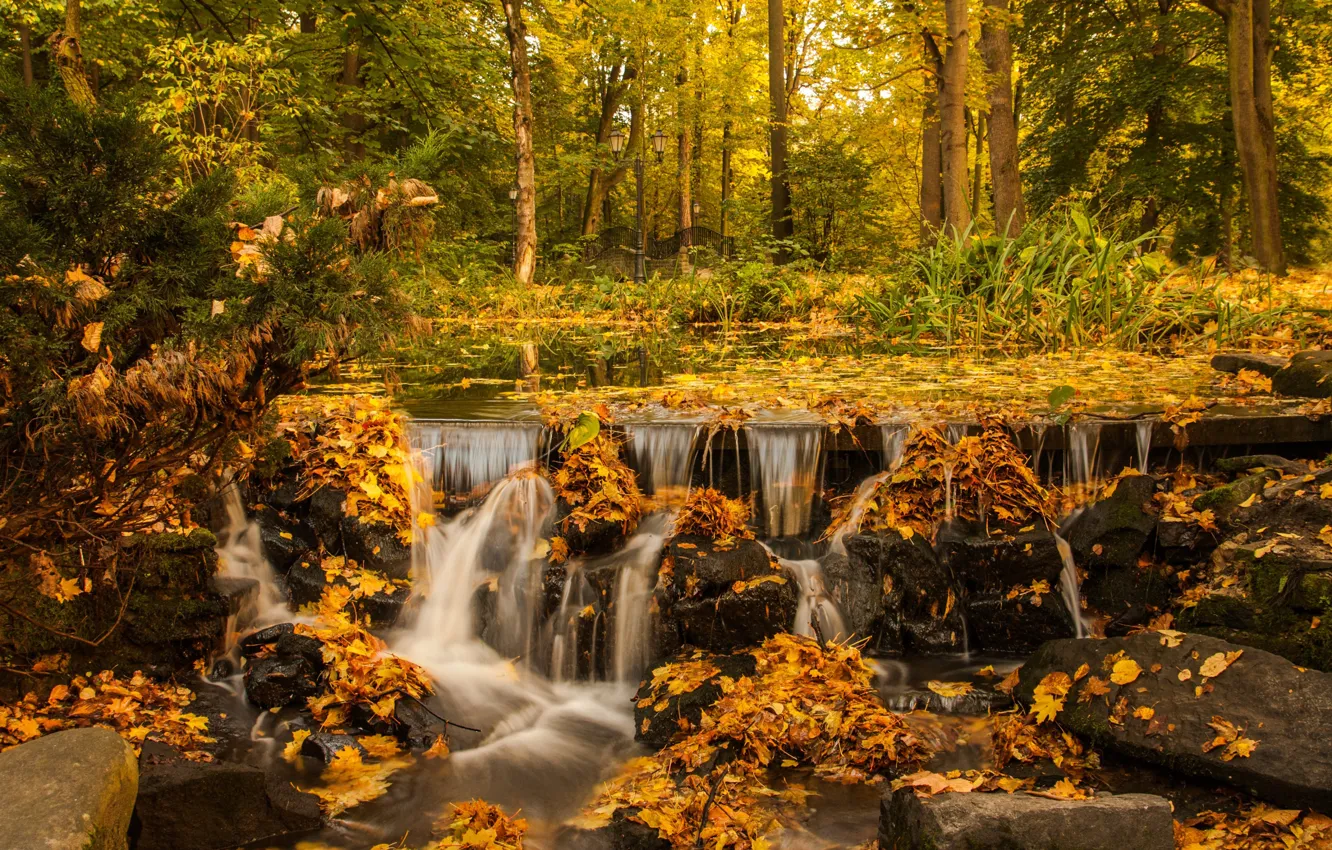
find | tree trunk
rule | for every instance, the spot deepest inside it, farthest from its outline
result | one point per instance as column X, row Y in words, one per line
column 931, row 154
column 69, row 58
column 978, row 170
column 600, row 183
column 524, row 266
column 1248, row 59
column 725, row 175
column 1010, row 213
column 353, row 121
column 782, row 227
column 309, row 22
column 953, row 138
column 25, row 44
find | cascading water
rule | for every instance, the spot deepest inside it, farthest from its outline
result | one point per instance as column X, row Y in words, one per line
column 815, row 603
column 1069, row 586
column 240, row 555
column 470, row 456
column 893, row 435
column 1082, row 442
column 662, row 454
column 631, row 644
column 1143, row 428
column 856, row 513
column 784, row 471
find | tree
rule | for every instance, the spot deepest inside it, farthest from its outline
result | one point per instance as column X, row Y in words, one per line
column 953, row 121
column 1249, row 66
column 68, row 51
column 931, row 144
column 782, row 225
column 614, row 87
column 525, row 244
column 1010, row 214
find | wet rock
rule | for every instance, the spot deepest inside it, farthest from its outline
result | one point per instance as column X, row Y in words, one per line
column 238, row 592
column 1259, row 463
column 1286, row 710
column 274, row 681
column 415, row 726
column 1295, row 574
column 1222, row 501
column 979, row 702
column 326, row 515
column 735, row 619
column 597, row 537
column 376, row 547
column 1308, row 375
column 284, row 540
column 214, row 806
column 306, row 582
column 1113, row 532
column 1290, row 505
column 302, row 646
column 70, row 790
column 620, row 834
column 282, row 494
column 1234, row 361
column 325, row 745
column 702, row 567
column 899, row 594
column 656, row 728
column 1023, row 822
column 255, row 641
column 1010, row 585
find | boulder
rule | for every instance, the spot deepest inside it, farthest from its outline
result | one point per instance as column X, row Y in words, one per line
column 376, row 547
column 1113, row 531
column 597, row 537
column 739, row 618
column 325, row 745
column 274, row 681
column 326, row 515
column 214, row 805
column 1234, row 361
column 1259, row 463
column 306, row 582
column 998, row 821
column 656, row 723
column 895, row 591
column 284, row 540
column 1307, row 375
column 1291, row 505
column 704, row 568
column 1285, row 709
column 70, row 790
column 1224, row 500
column 256, row 641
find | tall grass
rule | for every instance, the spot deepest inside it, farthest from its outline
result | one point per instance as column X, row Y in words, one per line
column 1062, row 283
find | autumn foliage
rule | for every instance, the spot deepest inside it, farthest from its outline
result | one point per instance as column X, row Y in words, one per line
column 708, row 513
column 598, row 485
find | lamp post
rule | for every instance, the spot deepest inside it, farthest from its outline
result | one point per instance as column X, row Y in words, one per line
column 513, row 200
column 617, row 140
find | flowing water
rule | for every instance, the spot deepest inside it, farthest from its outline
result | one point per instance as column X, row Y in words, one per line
column 662, row 454
column 467, row 457
column 1143, row 428
column 240, row 555
column 815, row 604
column 894, row 436
column 784, row 472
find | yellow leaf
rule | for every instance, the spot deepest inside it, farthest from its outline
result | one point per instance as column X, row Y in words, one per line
column 292, row 752
column 1216, row 664
column 92, row 336
column 1126, row 670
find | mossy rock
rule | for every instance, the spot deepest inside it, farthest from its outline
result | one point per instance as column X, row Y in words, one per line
column 1226, row 498
column 1296, row 582
column 1277, row 630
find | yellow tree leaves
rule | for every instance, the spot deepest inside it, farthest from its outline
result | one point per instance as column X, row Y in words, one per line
column 1125, row 671
column 1258, row 828
column 598, row 485
column 708, row 513
column 478, row 825
column 1049, row 696
column 1229, row 739
column 349, row 780
column 1217, row 664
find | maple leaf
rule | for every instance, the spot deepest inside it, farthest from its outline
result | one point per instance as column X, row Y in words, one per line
column 292, row 751
column 1046, row 707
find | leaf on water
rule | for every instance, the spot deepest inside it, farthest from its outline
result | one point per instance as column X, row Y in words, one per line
column 950, row 689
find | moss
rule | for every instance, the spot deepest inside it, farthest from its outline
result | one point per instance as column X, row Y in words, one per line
column 273, row 457
column 1271, row 576
column 1222, row 500
column 1273, row 629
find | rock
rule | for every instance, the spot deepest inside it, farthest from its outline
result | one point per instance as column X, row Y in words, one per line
column 1222, row 501
column 737, row 619
column 704, row 568
column 376, row 547
column 255, row 641
column 325, row 517
column 274, row 681
column 657, row 728
column 898, row 593
column 1291, row 505
column 620, row 834
column 1296, row 574
column 70, row 790
column 980, row 821
column 414, row 726
column 1308, row 375
column 999, row 575
column 214, row 806
column 1113, row 532
column 284, row 540
column 1234, row 361
column 597, row 537
column 1259, row 463
column 1286, row 710
column 239, row 593
column 302, row 646
column 325, row 745
column 306, row 582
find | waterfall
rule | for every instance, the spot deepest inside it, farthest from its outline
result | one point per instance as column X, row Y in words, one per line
column 1069, row 585
column 784, row 468
column 856, row 512
column 240, row 555
column 467, row 457
column 631, row 644
column 662, row 455
column 893, row 436
column 1144, row 434
column 1082, row 443
column 815, row 601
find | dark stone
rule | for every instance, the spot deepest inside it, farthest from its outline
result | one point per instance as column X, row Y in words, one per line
column 999, row 624
column 325, row 745
column 702, row 568
column 284, row 541
column 1259, row 463
column 414, row 725
column 1308, row 375
column 596, row 537
column 306, row 582
column 326, row 515
column 302, row 646
column 620, row 834
column 682, row 711
column 255, row 641
column 274, row 681
column 732, row 620
column 238, row 592
column 1234, row 361
column 1113, row 532
column 899, row 594
column 376, row 547
column 283, row 495
column 1291, row 505
column 979, row 702
column 1288, row 711
column 998, row 821
column 213, row 806
column 1222, row 501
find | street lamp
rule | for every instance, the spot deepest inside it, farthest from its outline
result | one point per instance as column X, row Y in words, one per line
column 659, row 144
column 617, row 140
column 697, row 208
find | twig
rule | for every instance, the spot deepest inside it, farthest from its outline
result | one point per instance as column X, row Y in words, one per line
column 444, row 720
column 814, row 623
column 707, row 804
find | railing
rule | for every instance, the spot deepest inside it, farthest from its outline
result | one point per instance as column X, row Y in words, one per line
column 612, row 250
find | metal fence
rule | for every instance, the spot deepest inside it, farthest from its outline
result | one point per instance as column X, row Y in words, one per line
column 612, row 250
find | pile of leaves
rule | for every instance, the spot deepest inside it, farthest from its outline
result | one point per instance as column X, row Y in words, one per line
column 358, row 671
column 478, row 825
column 136, row 709
column 708, row 513
column 356, row 445
column 340, row 570
column 1257, row 828
column 597, row 485
column 805, row 706
column 981, row 478
column 349, row 779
